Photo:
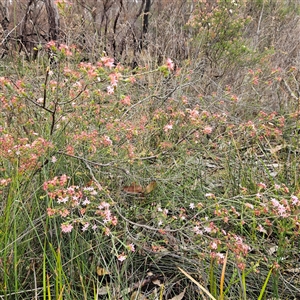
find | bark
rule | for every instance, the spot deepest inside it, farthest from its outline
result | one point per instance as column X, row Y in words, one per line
column 114, row 44
column 146, row 16
column 145, row 23
column 53, row 20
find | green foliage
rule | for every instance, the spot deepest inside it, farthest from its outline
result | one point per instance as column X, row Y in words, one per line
column 220, row 29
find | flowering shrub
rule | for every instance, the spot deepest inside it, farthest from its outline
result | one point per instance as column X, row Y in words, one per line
column 121, row 171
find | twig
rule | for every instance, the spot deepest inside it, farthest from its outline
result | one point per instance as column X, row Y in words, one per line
column 8, row 34
column 45, row 87
column 99, row 186
column 86, row 161
column 290, row 91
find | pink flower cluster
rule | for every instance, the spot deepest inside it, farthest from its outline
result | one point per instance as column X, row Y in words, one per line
column 69, row 200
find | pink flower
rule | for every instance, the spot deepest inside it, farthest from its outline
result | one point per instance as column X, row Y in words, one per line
column 168, row 127
column 197, row 230
column 63, row 179
column 194, row 113
column 255, row 80
column 51, row 44
column 262, row 185
column 207, row 229
column 110, row 90
column 126, row 100
column 107, row 216
column 170, row 64
column 65, row 49
column 86, row 201
column 107, row 231
column 64, row 212
column 132, row 79
column 51, row 211
column 66, row 228
column 295, row 200
column 85, row 226
column 122, row 257
column 249, row 205
column 108, row 62
column 131, row 247
column 63, row 199
column 282, row 210
column 220, row 257
column 106, row 141
column 261, row 229
column 207, row 130
column 275, row 202
column 114, row 79
column 241, row 266
column 214, row 245
column 104, row 205
column 277, row 186
column 114, row 220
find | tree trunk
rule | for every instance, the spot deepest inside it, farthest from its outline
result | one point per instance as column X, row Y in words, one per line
column 53, row 20
column 145, row 22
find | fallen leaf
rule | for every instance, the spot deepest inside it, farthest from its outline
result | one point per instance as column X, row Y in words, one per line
column 150, row 187
column 272, row 250
column 103, row 291
column 156, row 282
column 277, row 148
column 138, row 296
column 133, row 189
column 179, row 297
column 102, row 271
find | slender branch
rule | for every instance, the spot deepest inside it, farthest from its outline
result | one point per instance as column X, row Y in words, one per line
column 86, row 161
column 45, row 86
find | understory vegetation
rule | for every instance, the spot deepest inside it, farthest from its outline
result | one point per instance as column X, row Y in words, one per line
column 176, row 177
